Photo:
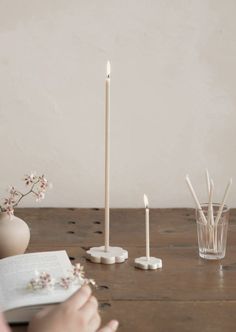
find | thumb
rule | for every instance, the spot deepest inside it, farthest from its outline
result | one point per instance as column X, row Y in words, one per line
column 110, row 327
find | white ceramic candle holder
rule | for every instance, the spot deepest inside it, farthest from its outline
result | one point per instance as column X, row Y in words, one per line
column 111, row 256
column 152, row 263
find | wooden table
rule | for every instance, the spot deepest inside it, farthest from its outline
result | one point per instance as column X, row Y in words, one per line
column 188, row 294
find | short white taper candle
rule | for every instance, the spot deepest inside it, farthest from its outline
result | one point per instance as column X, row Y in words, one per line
column 147, row 226
column 147, row 262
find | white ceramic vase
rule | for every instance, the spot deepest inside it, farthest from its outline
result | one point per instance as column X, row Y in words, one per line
column 14, row 235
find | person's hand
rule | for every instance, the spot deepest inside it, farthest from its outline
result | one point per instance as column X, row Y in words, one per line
column 77, row 314
column 3, row 325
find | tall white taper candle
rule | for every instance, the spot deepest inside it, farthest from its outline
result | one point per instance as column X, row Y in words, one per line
column 147, row 226
column 107, row 158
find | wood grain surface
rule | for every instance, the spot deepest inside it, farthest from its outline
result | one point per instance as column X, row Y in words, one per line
column 187, row 294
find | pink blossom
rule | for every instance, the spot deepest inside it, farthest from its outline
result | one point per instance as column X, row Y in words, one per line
column 39, row 195
column 44, row 281
column 43, row 182
column 65, row 282
column 78, row 271
column 8, row 201
column 33, row 283
column 9, row 210
column 30, row 179
column 13, row 192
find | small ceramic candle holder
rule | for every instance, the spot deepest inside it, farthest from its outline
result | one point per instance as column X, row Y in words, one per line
column 152, row 263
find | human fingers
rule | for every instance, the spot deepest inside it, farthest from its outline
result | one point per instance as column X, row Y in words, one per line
column 79, row 298
column 110, row 327
column 89, row 309
column 43, row 312
column 94, row 323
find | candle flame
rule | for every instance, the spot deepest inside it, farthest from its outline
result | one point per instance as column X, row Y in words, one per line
column 108, row 68
column 145, row 199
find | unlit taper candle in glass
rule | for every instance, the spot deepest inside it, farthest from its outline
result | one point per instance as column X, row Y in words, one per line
column 223, row 201
column 195, row 199
column 208, row 196
column 210, row 214
column 107, row 157
column 208, row 182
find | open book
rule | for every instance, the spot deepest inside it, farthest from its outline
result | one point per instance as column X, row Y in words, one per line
column 18, row 302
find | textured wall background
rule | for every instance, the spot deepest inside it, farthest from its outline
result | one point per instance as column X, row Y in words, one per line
column 173, row 97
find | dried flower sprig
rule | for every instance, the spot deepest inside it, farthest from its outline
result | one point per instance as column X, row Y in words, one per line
column 42, row 281
column 38, row 186
column 75, row 277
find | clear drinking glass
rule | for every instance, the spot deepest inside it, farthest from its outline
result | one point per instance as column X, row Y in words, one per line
column 212, row 238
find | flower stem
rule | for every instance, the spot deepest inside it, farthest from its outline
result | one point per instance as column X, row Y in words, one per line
column 27, row 193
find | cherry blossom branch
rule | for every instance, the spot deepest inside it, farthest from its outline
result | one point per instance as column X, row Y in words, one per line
column 26, row 194
column 38, row 186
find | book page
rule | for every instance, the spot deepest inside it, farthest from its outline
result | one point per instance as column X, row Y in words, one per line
column 17, row 271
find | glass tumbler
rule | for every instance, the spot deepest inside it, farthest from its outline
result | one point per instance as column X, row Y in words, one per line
column 212, row 237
